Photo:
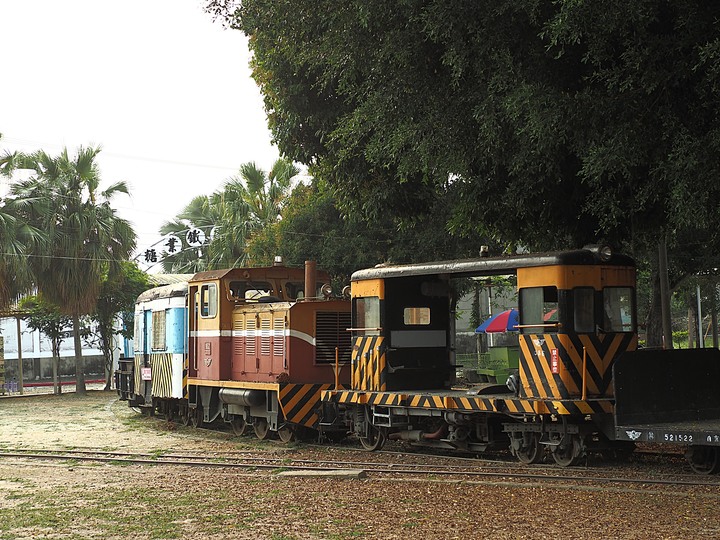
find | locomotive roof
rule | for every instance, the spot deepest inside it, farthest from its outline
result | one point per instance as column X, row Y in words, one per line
column 257, row 273
column 167, row 279
column 165, row 291
column 488, row 266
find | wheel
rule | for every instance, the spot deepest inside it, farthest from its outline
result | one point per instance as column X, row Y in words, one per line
column 261, row 428
column 703, row 459
column 184, row 415
column 569, row 453
column 196, row 417
column 374, row 440
column 529, row 450
column 239, row 426
column 286, row 433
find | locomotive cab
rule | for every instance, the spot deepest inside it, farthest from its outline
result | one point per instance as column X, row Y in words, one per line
column 575, row 320
column 402, row 334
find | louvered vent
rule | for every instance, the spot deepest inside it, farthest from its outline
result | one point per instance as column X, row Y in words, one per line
column 250, row 337
column 331, row 331
column 279, row 337
column 265, row 331
column 238, row 339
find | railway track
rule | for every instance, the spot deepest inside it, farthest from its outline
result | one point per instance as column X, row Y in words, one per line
column 465, row 471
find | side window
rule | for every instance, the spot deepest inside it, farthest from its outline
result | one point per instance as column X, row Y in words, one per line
column 208, row 300
column 158, row 331
column 416, row 316
column 538, row 310
column 584, row 309
column 367, row 315
column 618, row 309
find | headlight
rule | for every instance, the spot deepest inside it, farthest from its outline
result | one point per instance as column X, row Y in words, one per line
column 326, row 290
column 605, row 253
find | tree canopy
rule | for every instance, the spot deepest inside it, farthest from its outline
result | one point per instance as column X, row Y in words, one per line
column 82, row 236
column 247, row 203
column 554, row 123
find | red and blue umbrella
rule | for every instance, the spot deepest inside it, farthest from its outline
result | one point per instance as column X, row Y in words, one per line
column 506, row 321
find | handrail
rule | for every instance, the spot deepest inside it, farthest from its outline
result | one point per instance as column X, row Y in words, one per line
column 551, row 325
column 378, row 329
column 584, row 375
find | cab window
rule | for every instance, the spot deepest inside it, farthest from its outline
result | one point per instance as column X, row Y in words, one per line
column 618, row 309
column 208, row 300
column 367, row 315
column 416, row 316
column 158, row 330
column 584, row 309
column 538, row 306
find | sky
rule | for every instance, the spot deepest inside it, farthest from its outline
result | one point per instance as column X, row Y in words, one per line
column 161, row 87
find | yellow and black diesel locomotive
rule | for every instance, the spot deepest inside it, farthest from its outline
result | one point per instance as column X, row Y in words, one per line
column 578, row 359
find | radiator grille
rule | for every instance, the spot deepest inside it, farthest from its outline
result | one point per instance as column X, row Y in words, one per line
column 330, row 332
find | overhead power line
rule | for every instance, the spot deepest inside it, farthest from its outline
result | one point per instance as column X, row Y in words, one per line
column 29, row 142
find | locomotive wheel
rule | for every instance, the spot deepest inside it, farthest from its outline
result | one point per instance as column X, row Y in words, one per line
column 374, row 440
column 239, row 426
column 532, row 452
column 184, row 415
column 196, row 417
column 261, row 428
column 286, row 433
column 703, row 459
column 568, row 454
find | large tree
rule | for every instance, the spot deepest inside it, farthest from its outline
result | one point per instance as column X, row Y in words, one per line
column 247, row 203
column 552, row 123
column 85, row 237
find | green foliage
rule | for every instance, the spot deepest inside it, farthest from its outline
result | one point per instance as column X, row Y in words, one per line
column 546, row 124
column 46, row 317
column 247, row 204
column 312, row 227
column 118, row 293
column 82, row 237
column 550, row 123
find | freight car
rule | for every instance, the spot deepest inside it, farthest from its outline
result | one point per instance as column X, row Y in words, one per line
column 246, row 346
column 581, row 384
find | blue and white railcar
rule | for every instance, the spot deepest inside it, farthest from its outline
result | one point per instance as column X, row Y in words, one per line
column 160, row 345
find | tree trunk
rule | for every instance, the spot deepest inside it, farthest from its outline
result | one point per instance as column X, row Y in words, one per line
column 57, row 387
column 108, row 372
column 653, row 323
column 665, row 293
column 714, row 327
column 79, row 360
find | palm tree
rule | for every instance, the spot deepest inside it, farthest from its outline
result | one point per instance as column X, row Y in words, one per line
column 19, row 240
column 247, row 203
column 199, row 213
column 85, row 236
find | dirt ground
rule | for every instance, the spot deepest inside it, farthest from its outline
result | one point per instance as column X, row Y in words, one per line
column 74, row 500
